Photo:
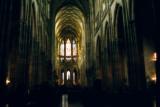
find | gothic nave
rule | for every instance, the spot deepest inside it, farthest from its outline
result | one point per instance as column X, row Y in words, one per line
column 79, row 53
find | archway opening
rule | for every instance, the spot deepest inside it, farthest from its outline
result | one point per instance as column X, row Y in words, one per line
column 70, row 42
column 121, row 46
column 121, row 75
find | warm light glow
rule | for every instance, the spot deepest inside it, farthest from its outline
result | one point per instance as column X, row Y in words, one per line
column 153, row 78
column 68, row 75
column 154, row 57
column 8, row 81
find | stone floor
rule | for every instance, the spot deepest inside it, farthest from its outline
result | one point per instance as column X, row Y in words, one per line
column 61, row 97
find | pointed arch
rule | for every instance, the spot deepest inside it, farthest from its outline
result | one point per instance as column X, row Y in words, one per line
column 119, row 32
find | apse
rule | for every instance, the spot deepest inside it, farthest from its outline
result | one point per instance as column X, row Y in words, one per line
column 70, row 44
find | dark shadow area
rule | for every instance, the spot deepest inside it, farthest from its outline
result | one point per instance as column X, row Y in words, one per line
column 46, row 95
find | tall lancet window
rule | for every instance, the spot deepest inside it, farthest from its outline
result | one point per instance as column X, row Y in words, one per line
column 68, row 75
column 62, row 51
column 62, row 78
column 68, row 50
column 74, row 48
column 62, row 48
column 74, row 78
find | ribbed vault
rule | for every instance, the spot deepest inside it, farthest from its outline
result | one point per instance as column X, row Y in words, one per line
column 69, row 20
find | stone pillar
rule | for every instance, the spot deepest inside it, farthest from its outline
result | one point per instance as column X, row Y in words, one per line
column 23, row 56
column 5, row 22
column 35, row 71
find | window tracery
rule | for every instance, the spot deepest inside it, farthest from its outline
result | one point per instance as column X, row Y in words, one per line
column 68, row 50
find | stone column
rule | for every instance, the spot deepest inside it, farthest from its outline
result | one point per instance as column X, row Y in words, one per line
column 133, row 38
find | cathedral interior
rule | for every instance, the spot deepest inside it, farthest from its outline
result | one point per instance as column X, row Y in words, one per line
column 79, row 53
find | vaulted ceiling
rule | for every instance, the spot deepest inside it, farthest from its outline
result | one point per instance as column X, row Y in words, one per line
column 69, row 20
column 70, row 17
column 83, row 5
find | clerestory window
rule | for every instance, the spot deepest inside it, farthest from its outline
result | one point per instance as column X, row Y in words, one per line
column 68, row 50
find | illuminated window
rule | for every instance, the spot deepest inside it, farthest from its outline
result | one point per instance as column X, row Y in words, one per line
column 62, row 49
column 74, row 77
column 63, row 78
column 68, row 75
column 68, row 48
column 74, row 48
column 154, row 56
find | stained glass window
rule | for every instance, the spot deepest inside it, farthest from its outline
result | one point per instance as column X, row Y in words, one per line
column 62, row 49
column 68, row 48
column 74, row 48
